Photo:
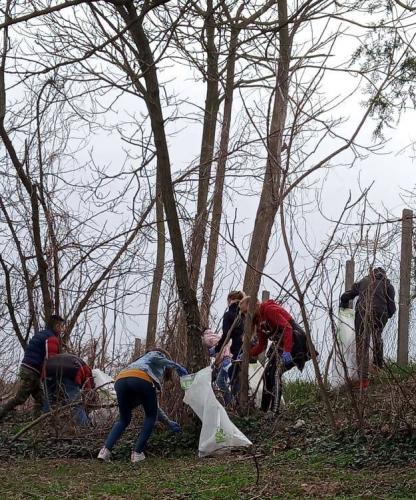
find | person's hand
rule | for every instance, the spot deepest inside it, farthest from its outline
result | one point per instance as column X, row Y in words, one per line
column 174, row 426
column 287, row 359
column 212, row 352
column 181, row 371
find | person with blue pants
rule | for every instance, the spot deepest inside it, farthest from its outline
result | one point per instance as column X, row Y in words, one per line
column 137, row 385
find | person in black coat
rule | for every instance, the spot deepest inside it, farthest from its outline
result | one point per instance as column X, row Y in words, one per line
column 375, row 306
column 233, row 329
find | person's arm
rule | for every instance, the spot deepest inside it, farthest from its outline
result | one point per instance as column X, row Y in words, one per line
column 287, row 335
column 277, row 316
column 261, row 344
column 161, row 360
column 162, row 417
column 349, row 295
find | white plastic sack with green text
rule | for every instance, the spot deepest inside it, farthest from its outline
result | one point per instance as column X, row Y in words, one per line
column 218, row 433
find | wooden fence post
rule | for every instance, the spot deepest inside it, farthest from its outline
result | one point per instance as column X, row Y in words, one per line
column 137, row 347
column 404, row 293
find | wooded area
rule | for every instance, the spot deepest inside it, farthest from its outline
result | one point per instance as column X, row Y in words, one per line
column 156, row 155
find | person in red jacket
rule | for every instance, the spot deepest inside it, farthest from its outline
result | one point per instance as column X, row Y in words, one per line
column 42, row 346
column 271, row 321
column 67, row 378
column 289, row 346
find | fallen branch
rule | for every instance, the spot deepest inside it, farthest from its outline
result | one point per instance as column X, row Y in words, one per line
column 43, row 417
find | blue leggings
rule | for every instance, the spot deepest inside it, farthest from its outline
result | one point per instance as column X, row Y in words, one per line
column 133, row 392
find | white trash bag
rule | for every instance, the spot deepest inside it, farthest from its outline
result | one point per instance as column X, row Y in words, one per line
column 344, row 350
column 218, row 433
column 255, row 381
column 104, row 385
column 107, row 396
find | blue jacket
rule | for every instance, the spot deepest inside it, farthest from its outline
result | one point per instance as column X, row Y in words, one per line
column 42, row 345
column 154, row 363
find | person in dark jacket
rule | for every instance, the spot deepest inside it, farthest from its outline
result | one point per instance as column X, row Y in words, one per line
column 232, row 330
column 42, row 345
column 375, row 306
column 66, row 375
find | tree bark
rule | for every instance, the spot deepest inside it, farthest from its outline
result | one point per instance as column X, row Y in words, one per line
column 158, row 272
column 29, row 186
column 219, row 180
column 187, row 295
column 270, row 195
column 207, row 149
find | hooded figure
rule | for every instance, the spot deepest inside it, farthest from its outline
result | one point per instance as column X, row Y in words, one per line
column 374, row 307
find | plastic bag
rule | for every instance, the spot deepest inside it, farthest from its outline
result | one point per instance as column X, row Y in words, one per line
column 255, row 381
column 104, row 385
column 344, row 359
column 218, row 433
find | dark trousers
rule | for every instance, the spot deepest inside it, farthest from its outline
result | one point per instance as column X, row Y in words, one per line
column 131, row 393
column 369, row 325
column 272, row 393
column 272, row 380
column 29, row 385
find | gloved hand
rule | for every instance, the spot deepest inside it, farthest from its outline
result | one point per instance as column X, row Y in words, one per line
column 174, row 426
column 287, row 359
column 212, row 352
column 181, row 371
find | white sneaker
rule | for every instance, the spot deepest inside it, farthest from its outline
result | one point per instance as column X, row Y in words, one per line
column 104, row 454
column 137, row 457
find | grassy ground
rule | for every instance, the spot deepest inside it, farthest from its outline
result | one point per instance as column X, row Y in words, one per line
column 288, row 474
column 297, row 456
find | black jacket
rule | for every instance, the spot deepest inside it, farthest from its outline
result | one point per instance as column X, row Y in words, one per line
column 375, row 292
column 236, row 335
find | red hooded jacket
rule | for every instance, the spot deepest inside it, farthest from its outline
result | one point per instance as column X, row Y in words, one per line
column 277, row 319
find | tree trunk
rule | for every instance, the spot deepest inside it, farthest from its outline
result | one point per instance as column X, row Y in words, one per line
column 270, row 196
column 207, row 149
column 158, row 272
column 219, row 180
column 27, row 183
column 187, row 295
